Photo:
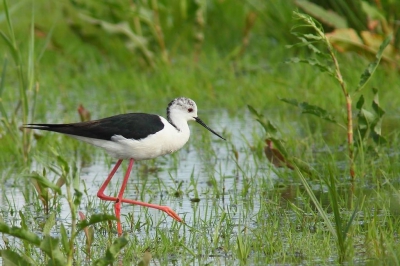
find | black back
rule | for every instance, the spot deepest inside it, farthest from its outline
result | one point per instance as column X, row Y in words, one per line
column 132, row 126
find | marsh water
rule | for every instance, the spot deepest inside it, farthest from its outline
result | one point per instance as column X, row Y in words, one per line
column 195, row 182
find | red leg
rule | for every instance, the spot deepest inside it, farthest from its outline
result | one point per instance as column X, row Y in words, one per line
column 100, row 193
column 118, row 200
column 120, row 194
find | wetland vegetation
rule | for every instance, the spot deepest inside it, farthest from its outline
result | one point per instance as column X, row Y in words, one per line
column 324, row 91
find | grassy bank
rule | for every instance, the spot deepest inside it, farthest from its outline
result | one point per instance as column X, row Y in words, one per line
column 237, row 207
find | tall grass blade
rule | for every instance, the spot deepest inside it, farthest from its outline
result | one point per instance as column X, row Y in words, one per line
column 317, row 204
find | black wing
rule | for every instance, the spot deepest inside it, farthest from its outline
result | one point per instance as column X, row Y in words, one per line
column 132, row 126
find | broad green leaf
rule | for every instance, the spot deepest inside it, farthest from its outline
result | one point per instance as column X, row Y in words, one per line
column 377, row 125
column 12, row 258
column 51, row 221
column 50, row 246
column 370, row 123
column 45, row 182
column 360, row 102
column 64, row 239
column 20, row 233
column 327, row 17
column 375, row 104
column 94, row 219
column 369, row 116
column 369, row 71
column 112, row 252
column 146, row 258
column 378, row 138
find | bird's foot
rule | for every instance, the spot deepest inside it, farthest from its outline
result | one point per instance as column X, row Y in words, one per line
column 171, row 213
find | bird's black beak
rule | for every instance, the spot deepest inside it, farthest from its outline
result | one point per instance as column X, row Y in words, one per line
column 198, row 120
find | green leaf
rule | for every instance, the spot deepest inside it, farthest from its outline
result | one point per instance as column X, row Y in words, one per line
column 20, row 233
column 51, row 247
column 377, row 125
column 369, row 71
column 317, row 204
column 12, row 258
column 370, row 123
column 94, row 219
column 51, row 221
column 278, row 143
column 307, row 108
column 77, row 198
column 253, row 111
column 375, row 104
column 112, row 252
column 64, row 239
column 269, row 127
column 313, row 62
column 45, row 182
column 146, row 258
column 360, row 102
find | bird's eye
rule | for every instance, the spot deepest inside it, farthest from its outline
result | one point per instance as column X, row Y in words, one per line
column 190, row 110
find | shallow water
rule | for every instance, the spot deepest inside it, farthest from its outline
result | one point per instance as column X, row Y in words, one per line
column 157, row 181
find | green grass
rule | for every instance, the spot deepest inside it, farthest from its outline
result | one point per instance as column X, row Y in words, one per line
column 238, row 209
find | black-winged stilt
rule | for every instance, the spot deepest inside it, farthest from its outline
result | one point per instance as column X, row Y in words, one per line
column 134, row 136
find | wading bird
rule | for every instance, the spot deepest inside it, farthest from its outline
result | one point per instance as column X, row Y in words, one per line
column 135, row 137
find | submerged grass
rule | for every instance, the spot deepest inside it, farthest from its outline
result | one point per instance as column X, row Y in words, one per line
column 237, row 209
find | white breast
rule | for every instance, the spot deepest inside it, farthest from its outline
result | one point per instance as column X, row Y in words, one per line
column 166, row 141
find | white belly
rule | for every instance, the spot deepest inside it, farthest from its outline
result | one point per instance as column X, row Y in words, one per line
column 163, row 142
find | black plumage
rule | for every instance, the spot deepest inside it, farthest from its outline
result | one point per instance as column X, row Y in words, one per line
column 131, row 126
